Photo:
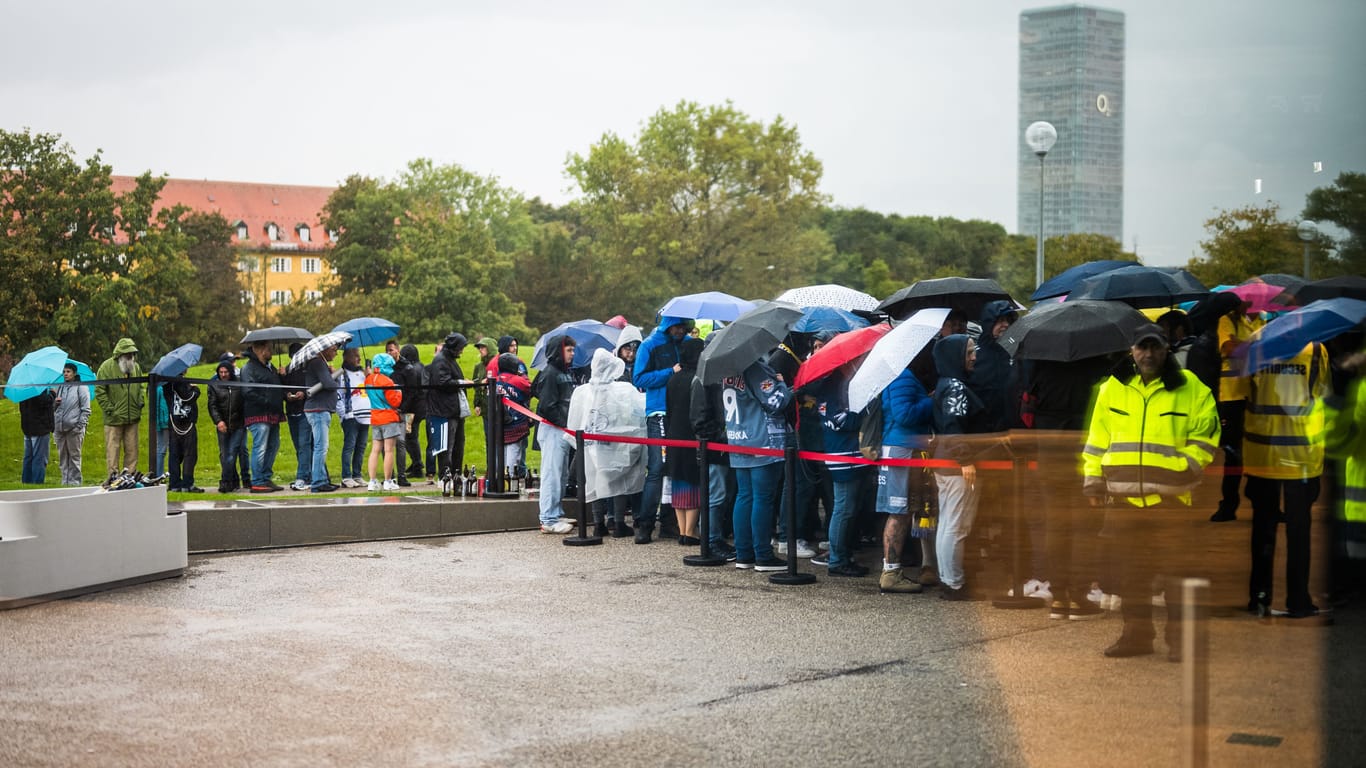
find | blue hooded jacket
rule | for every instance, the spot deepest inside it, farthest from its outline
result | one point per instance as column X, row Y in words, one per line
column 906, row 412
column 655, row 361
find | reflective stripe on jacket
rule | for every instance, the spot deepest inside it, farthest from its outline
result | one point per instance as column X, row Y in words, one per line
column 1283, row 429
column 1346, row 440
column 1150, row 441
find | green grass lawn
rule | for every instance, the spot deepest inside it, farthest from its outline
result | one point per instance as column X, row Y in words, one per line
column 206, row 471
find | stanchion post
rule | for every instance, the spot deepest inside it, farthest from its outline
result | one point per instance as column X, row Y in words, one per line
column 494, row 430
column 580, row 474
column 1195, row 672
column 1017, row 600
column 153, row 409
column 705, row 557
column 791, row 577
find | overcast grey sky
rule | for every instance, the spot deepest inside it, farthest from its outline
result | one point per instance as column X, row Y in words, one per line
column 910, row 105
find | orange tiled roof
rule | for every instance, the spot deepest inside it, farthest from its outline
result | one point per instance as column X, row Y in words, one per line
column 256, row 205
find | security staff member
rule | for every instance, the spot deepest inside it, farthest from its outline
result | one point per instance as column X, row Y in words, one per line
column 1346, row 441
column 1283, row 457
column 1153, row 431
column 1235, row 330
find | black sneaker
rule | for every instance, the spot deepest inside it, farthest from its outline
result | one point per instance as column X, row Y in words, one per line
column 644, row 535
column 949, row 593
column 724, row 550
column 1223, row 517
column 744, row 565
column 327, row 488
column 403, row 483
column 770, row 564
column 823, row 560
column 849, row 569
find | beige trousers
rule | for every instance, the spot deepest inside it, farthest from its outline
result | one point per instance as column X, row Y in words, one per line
column 122, row 436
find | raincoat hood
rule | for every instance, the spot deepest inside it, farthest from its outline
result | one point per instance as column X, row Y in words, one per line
column 950, row 357
column 993, row 311
column 227, row 366
column 383, row 363
column 554, row 352
column 454, row 344
column 505, row 344
column 665, row 323
column 488, row 343
column 629, row 334
column 689, row 352
column 409, row 352
column 124, row 346
column 606, row 367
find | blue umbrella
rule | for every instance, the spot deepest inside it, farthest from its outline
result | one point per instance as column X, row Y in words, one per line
column 1064, row 282
column 1284, row 337
column 1140, row 286
column 816, row 319
column 178, row 361
column 712, row 305
column 38, row 370
column 588, row 335
column 367, row 331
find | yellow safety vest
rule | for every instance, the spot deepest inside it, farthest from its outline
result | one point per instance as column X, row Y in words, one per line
column 1232, row 377
column 1148, row 442
column 1346, row 440
column 1283, row 429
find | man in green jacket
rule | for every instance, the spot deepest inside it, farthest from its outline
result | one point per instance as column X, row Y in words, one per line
column 121, row 405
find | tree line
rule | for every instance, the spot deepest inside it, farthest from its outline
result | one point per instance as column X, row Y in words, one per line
column 702, row 198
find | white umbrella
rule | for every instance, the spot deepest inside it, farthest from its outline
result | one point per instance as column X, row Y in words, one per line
column 892, row 353
column 829, row 295
column 315, row 347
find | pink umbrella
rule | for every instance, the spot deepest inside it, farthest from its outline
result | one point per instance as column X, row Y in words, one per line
column 1259, row 295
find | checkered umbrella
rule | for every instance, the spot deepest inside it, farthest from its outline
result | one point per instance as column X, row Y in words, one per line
column 829, row 295
column 315, row 347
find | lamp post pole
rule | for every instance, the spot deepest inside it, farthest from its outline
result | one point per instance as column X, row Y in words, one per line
column 1040, row 137
column 1307, row 231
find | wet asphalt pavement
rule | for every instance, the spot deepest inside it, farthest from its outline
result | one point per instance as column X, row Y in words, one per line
column 511, row 649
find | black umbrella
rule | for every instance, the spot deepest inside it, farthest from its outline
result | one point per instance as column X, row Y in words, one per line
column 1140, row 286
column 1279, row 278
column 277, row 333
column 1072, row 330
column 1348, row 286
column 739, row 345
column 969, row 294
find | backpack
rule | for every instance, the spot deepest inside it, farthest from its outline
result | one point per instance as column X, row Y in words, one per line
column 870, row 430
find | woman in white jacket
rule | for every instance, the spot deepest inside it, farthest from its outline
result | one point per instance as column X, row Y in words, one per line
column 71, row 415
column 606, row 406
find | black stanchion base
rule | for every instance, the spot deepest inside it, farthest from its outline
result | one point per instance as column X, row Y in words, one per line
column 792, row 579
column 501, row 495
column 704, row 560
column 1018, row 603
column 582, row 541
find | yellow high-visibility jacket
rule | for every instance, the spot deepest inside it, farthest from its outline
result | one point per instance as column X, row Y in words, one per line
column 1346, row 440
column 1150, row 442
column 1283, row 430
column 1232, row 337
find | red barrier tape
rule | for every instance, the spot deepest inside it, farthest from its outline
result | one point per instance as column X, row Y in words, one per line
column 837, row 458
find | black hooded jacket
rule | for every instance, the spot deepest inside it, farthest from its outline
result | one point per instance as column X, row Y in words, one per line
column 554, row 386
column 225, row 403
column 408, row 375
column 443, row 376
column 957, row 409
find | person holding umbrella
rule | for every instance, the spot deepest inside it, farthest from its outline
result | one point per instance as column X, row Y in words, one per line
column 36, row 419
column 225, row 411
column 262, row 411
column 657, row 360
column 70, row 418
column 319, row 405
column 756, row 404
column 121, row 405
column 554, row 388
column 184, row 435
column 958, row 413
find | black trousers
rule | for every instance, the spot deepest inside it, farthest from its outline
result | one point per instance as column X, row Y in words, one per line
column 184, row 455
column 1266, row 496
column 1231, row 440
column 1145, row 543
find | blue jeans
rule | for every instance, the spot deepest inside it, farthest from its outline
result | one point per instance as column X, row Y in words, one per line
column 231, row 446
column 755, row 488
column 163, row 444
column 353, row 448
column 716, row 503
column 265, row 443
column 841, row 519
column 301, row 434
column 648, row 509
column 319, row 424
column 554, row 465
column 35, row 459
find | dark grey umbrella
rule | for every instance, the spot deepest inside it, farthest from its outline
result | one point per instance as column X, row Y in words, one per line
column 969, row 294
column 277, row 333
column 1347, row 286
column 737, row 346
column 1140, row 286
column 1072, row 330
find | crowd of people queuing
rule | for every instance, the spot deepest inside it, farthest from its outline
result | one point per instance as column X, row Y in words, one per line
column 1121, row 442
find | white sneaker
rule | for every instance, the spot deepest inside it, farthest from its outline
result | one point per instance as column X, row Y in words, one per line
column 569, row 520
column 389, row 485
column 372, row 486
column 1096, row 596
column 558, row 527
column 349, row 483
column 824, row 546
column 298, row 485
column 804, row 549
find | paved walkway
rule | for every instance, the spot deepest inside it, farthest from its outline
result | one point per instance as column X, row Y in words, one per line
column 511, row 649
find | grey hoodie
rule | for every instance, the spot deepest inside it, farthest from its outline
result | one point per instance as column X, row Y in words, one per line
column 73, row 413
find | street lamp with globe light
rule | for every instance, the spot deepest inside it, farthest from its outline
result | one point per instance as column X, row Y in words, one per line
column 1040, row 136
column 1307, row 231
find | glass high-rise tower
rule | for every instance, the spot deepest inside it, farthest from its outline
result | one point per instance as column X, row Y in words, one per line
column 1072, row 75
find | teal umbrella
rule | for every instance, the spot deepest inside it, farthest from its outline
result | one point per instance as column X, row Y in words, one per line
column 36, row 372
